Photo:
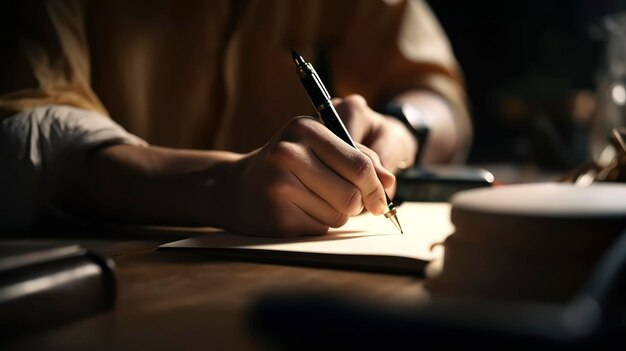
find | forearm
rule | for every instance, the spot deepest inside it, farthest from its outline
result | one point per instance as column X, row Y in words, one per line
column 448, row 132
column 158, row 186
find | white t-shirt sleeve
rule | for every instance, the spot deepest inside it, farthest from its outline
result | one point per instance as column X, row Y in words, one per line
column 37, row 147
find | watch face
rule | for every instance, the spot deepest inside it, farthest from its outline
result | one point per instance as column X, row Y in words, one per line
column 414, row 116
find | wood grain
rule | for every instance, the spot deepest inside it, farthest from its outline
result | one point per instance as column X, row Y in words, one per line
column 181, row 300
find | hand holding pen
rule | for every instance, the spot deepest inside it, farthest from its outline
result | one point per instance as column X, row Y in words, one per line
column 303, row 181
column 320, row 98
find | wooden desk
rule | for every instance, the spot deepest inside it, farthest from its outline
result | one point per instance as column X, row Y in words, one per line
column 183, row 301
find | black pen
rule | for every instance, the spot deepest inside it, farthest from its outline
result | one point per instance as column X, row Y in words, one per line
column 320, row 98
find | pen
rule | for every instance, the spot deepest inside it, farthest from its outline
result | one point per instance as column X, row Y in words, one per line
column 320, row 98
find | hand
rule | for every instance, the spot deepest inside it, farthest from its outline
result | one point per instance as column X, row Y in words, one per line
column 304, row 181
column 388, row 137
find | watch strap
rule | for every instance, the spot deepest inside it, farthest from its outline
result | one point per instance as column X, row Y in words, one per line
column 414, row 119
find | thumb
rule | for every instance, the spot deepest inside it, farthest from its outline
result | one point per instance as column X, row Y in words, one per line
column 336, row 101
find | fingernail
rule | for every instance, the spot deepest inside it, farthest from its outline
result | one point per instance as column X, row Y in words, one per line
column 381, row 206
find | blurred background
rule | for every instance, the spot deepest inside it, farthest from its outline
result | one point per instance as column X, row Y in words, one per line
column 545, row 78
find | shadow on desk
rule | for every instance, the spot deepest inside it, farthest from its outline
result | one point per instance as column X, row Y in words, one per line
column 109, row 239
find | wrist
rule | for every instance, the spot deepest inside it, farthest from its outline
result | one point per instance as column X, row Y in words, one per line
column 215, row 198
column 414, row 119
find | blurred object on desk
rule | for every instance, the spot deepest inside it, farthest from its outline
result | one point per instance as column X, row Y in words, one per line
column 47, row 285
column 437, row 183
column 534, row 241
column 513, row 173
column 610, row 166
column 607, row 149
column 611, row 92
column 592, row 319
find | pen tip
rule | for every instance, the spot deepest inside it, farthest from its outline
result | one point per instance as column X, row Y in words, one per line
column 394, row 220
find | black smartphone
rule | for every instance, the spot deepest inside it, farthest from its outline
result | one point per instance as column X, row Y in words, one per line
column 437, row 183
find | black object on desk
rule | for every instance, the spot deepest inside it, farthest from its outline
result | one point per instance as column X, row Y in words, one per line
column 47, row 285
column 437, row 183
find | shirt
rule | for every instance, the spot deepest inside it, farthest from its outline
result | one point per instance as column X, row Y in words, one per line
column 217, row 74
column 78, row 74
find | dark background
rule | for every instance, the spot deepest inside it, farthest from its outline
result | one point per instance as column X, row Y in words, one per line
column 525, row 63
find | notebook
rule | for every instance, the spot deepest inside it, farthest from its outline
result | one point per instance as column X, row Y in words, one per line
column 366, row 242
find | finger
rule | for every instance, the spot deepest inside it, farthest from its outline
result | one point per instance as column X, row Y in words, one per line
column 356, row 100
column 318, row 209
column 301, row 213
column 386, row 178
column 315, row 212
column 336, row 191
column 343, row 159
column 348, row 162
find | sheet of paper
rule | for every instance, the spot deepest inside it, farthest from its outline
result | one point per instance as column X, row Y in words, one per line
column 424, row 224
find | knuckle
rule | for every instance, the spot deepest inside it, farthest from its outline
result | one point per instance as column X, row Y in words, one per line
column 282, row 153
column 356, row 100
column 373, row 195
column 354, row 201
column 364, row 168
column 349, row 108
column 299, row 127
column 370, row 153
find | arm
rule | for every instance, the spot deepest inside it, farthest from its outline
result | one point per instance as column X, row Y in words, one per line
column 302, row 182
column 153, row 185
column 61, row 160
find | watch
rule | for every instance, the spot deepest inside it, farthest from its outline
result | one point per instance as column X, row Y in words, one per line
column 414, row 119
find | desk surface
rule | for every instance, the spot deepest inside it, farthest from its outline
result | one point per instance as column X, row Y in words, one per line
column 172, row 300
column 179, row 300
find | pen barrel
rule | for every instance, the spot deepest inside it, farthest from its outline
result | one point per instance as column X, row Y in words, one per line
column 315, row 89
column 320, row 98
column 333, row 122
